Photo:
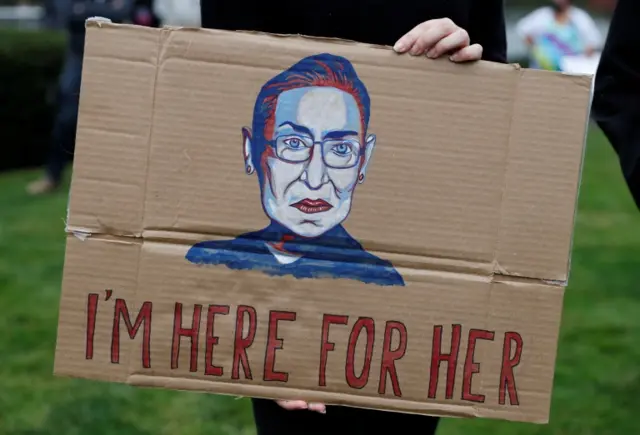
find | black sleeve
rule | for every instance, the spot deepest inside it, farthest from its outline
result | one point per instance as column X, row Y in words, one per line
column 616, row 98
column 231, row 14
column 487, row 28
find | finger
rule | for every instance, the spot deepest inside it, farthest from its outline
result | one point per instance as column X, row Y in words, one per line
column 292, row 405
column 318, row 407
column 406, row 42
column 430, row 34
column 453, row 42
column 468, row 54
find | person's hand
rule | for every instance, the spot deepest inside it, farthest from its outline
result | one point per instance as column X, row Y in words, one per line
column 439, row 37
column 292, row 405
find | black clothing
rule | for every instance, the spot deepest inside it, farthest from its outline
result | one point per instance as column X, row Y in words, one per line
column 616, row 99
column 372, row 21
column 271, row 419
column 376, row 22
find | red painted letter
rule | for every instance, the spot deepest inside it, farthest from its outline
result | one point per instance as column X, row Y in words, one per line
column 507, row 380
column 212, row 340
column 389, row 357
column 92, row 306
column 437, row 357
column 192, row 333
column 360, row 381
column 327, row 345
column 274, row 343
column 242, row 343
column 144, row 316
column 470, row 366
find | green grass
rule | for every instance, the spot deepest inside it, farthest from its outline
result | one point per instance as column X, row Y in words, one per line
column 597, row 383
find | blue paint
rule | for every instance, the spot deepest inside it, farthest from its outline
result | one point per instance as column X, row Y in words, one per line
column 334, row 255
column 318, row 149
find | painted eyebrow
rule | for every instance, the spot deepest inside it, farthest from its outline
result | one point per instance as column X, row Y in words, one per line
column 297, row 128
column 340, row 134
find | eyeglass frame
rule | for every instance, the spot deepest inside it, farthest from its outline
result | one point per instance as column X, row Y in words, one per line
column 273, row 144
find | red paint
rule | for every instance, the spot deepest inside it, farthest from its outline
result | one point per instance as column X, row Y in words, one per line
column 389, row 357
column 280, row 245
column 192, row 333
column 333, row 79
column 471, row 367
column 241, row 344
column 353, row 380
column 438, row 357
column 212, row 340
column 327, row 346
column 274, row 343
column 144, row 317
column 311, row 206
column 507, row 379
column 92, row 307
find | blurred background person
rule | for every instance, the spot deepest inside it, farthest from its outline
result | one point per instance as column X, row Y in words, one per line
column 75, row 13
column 184, row 13
column 558, row 30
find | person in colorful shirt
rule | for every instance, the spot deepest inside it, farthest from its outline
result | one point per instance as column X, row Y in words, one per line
column 558, row 30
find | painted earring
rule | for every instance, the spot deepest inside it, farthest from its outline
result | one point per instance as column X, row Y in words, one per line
column 249, row 169
column 361, row 177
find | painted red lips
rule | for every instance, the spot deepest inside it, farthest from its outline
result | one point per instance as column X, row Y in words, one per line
column 310, row 206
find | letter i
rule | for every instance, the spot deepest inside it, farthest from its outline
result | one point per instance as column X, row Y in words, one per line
column 92, row 307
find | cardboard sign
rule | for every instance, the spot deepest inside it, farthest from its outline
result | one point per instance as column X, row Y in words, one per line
column 301, row 218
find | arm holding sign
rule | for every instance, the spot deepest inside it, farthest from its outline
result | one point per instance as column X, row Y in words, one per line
column 616, row 99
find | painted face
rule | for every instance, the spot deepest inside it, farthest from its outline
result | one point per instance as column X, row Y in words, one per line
column 315, row 159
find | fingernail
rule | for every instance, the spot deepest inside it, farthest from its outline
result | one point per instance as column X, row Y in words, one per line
column 431, row 53
column 413, row 51
column 453, row 58
column 399, row 47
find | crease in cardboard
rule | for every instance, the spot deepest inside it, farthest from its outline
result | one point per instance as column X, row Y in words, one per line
column 411, row 264
column 81, row 233
column 160, row 47
column 498, row 268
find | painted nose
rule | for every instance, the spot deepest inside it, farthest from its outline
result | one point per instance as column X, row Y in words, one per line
column 316, row 172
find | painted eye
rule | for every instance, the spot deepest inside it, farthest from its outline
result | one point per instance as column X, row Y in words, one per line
column 294, row 143
column 341, row 149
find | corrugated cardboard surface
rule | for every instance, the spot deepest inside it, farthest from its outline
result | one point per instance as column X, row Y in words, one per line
column 470, row 194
